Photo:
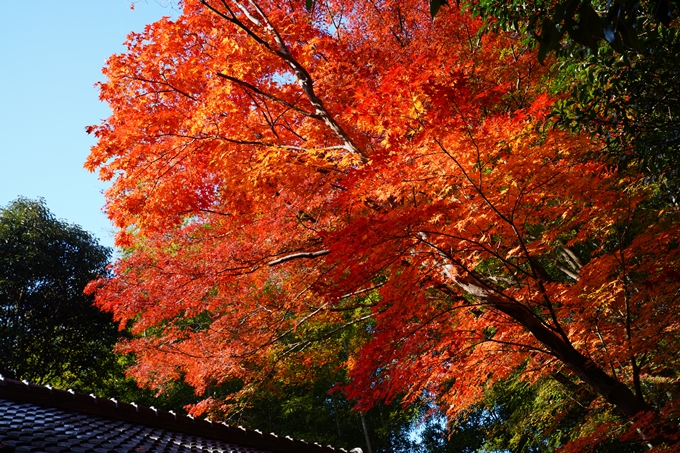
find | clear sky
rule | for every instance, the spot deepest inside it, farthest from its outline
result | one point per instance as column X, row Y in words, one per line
column 51, row 55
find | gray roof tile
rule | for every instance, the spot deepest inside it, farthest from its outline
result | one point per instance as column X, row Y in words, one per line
column 44, row 420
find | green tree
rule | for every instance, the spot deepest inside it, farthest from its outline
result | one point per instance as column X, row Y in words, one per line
column 525, row 417
column 317, row 413
column 617, row 74
column 632, row 103
column 50, row 333
column 568, row 26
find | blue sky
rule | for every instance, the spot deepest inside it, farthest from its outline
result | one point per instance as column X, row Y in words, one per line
column 51, row 55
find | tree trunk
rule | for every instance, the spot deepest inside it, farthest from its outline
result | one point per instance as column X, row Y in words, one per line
column 613, row 391
column 368, row 439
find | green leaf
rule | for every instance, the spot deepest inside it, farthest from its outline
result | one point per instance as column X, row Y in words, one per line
column 309, row 4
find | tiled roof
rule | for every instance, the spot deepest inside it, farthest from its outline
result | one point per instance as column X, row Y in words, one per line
column 45, row 420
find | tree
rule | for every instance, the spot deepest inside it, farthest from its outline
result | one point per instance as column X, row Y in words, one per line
column 279, row 177
column 50, row 333
column 516, row 416
column 576, row 25
column 630, row 103
column 619, row 78
column 318, row 411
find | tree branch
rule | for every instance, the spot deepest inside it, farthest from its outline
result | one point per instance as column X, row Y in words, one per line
column 305, row 79
column 267, row 95
column 300, row 255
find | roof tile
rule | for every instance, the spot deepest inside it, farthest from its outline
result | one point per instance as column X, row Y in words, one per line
column 45, row 420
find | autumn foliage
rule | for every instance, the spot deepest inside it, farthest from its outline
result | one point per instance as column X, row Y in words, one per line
column 280, row 175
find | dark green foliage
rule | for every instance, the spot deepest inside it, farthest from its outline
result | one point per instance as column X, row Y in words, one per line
column 568, row 25
column 632, row 103
column 617, row 74
column 517, row 416
column 320, row 412
column 174, row 396
column 49, row 331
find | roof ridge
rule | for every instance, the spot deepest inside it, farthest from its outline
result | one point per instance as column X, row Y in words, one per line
column 24, row 391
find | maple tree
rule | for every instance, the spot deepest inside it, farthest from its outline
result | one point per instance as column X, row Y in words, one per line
column 280, row 176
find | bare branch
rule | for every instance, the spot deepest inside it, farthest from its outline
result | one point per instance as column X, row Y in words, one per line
column 569, row 273
column 361, row 291
column 267, row 95
column 570, row 256
column 300, row 255
column 300, row 148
